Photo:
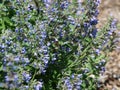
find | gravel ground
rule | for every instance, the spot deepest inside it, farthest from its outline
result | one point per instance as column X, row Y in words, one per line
column 110, row 80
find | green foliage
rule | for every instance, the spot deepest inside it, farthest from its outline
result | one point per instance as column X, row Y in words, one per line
column 52, row 46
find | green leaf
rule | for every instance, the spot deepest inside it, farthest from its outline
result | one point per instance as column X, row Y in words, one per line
column 1, row 67
column 7, row 20
column 2, row 26
column 72, row 27
column 88, row 39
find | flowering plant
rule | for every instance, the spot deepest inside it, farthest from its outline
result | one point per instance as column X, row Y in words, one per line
column 51, row 45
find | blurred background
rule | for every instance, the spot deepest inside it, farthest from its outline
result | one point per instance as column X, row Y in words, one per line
column 107, row 8
column 111, row 78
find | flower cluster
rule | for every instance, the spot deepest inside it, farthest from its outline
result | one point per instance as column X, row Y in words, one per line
column 50, row 45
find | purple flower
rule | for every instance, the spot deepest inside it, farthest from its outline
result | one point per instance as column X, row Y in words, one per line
column 2, row 51
column 39, row 86
column 17, row 12
column 93, row 21
column 21, row 30
column 102, row 69
column 10, row 64
column 8, row 42
column 23, row 50
column 26, row 77
column 97, row 2
column 29, row 25
column 7, row 78
column 94, row 32
column 86, row 25
column 26, row 87
column 96, row 12
column 78, row 87
column 72, row 76
column 79, row 76
column 17, row 59
column 61, row 34
column 25, row 40
column 79, row 82
column 2, row 46
column 64, row 5
column 68, row 83
column 97, row 51
column 113, row 23
column 30, row 7
column 25, row 60
column 45, row 59
column 43, row 35
column 16, row 78
column 47, row 3
column 110, row 32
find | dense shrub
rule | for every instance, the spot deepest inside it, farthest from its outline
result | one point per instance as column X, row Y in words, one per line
column 52, row 45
